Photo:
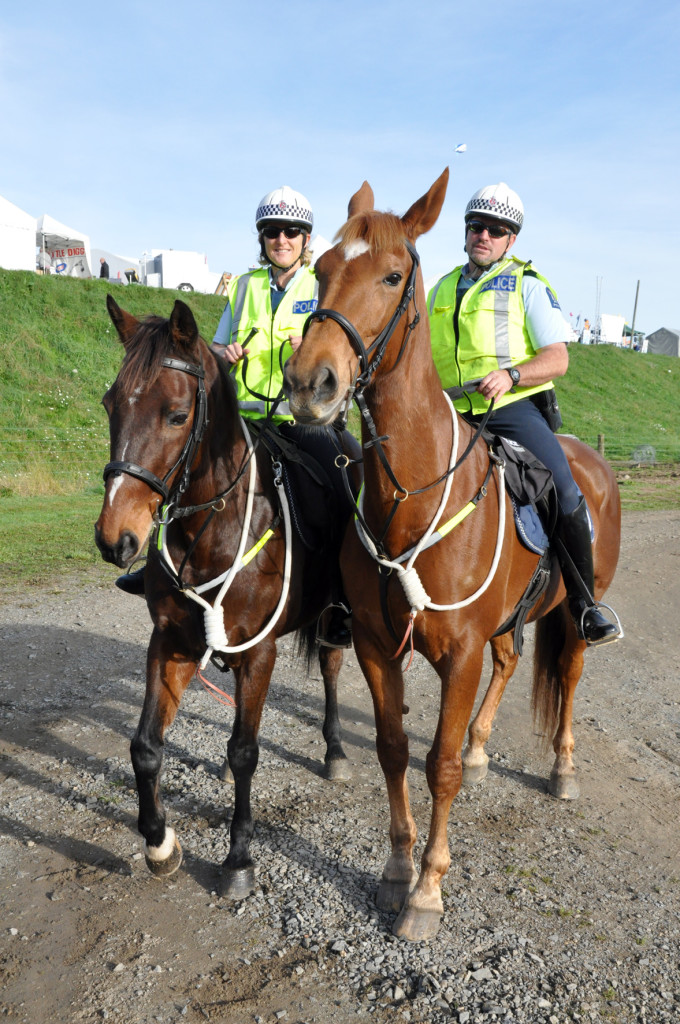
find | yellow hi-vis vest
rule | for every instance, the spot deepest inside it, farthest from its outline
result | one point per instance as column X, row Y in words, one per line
column 484, row 331
column 265, row 335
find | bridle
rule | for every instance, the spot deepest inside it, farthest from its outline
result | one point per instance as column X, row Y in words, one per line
column 367, row 365
column 186, row 456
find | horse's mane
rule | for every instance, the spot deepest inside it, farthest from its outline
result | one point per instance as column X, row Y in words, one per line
column 144, row 355
column 382, row 232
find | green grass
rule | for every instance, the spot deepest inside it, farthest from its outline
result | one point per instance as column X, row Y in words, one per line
column 59, row 353
column 629, row 398
column 43, row 540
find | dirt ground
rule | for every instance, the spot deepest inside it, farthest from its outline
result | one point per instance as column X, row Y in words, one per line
column 87, row 934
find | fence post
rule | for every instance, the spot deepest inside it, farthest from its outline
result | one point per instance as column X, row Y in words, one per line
column 600, row 444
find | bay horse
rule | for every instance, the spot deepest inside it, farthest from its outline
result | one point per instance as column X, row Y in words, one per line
column 369, row 338
column 184, row 469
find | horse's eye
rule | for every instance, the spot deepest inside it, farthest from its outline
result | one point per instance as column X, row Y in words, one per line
column 392, row 280
column 178, row 419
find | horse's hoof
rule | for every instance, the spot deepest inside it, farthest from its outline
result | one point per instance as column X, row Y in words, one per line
column 417, row 925
column 337, row 770
column 160, row 863
column 238, row 883
column 475, row 774
column 563, row 787
column 392, row 896
column 225, row 774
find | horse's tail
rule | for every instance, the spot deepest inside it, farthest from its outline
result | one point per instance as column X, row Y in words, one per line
column 306, row 645
column 546, row 693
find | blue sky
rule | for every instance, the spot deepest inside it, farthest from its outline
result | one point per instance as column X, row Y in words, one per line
column 154, row 125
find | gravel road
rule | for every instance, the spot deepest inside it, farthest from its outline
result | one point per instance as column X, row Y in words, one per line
column 553, row 912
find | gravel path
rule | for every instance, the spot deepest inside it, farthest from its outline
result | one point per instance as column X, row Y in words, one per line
column 553, row 912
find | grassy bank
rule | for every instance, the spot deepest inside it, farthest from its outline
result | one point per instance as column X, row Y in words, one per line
column 59, row 353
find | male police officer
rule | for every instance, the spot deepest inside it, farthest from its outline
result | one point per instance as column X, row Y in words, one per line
column 496, row 321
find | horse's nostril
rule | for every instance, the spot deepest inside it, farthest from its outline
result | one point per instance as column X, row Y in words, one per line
column 326, row 382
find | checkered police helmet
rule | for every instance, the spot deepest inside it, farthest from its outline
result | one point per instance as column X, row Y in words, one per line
column 283, row 204
column 497, row 201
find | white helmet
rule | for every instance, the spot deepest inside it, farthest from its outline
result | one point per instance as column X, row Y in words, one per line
column 283, row 204
column 497, row 201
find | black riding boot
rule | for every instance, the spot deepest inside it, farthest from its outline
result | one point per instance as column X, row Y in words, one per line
column 132, row 582
column 573, row 531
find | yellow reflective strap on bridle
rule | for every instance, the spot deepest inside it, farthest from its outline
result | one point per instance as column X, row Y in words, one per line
column 256, row 548
column 248, row 556
column 458, row 518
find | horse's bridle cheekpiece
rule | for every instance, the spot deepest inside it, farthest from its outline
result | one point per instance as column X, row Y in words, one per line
column 186, row 456
column 378, row 347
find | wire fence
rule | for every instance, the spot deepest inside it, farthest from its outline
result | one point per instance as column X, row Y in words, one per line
column 77, row 457
column 74, row 458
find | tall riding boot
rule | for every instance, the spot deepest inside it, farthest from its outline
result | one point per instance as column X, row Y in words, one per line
column 132, row 582
column 575, row 555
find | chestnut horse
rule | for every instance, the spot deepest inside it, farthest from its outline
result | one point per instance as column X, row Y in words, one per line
column 183, row 467
column 370, row 338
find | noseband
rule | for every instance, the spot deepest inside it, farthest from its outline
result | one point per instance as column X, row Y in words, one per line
column 186, row 456
column 377, row 348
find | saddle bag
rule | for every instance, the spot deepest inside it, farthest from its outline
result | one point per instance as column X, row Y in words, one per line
column 526, row 478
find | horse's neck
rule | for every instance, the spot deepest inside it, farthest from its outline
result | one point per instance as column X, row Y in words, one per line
column 410, row 409
column 408, row 406
column 219, row 463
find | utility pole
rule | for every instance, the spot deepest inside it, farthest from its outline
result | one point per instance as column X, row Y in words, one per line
column 598, row 325
column 632, row 326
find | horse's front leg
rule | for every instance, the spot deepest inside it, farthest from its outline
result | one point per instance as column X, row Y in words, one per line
column 423, row 910
column 167, row 677
column 475, row 758
column 252, row 683
column 386, row 683
column 336, row 765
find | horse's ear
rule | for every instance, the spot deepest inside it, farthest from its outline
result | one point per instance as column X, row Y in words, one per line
column 362, row 201
column 125, row 323
column 424, row 212
column 183, row 326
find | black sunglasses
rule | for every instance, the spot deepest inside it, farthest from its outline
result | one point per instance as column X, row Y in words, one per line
column 495, row 230
column 274, row 230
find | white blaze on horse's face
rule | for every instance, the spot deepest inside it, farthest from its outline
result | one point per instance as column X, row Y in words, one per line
column 117, row 481
column 356, row 248
column 133, row 398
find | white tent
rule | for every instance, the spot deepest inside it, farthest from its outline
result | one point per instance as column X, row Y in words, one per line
column 62, row 250
column 17, row 237
column 117, row 265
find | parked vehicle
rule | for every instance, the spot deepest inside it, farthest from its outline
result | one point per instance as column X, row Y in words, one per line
column 177, row 268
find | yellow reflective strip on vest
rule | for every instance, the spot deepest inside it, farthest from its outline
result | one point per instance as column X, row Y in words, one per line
column 249, row 555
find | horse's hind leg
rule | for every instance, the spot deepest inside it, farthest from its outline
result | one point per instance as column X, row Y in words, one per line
column 336, row 765
column 166, row 681
column 558, row 664
column 252, row 684
column 475, row 758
